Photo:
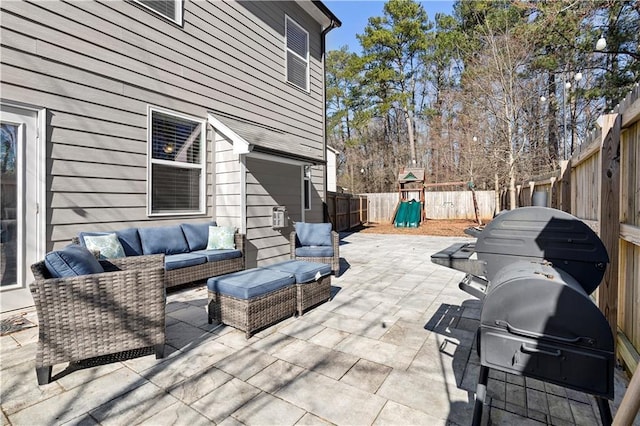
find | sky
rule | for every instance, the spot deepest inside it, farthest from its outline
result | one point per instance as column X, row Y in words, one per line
column 355, row 14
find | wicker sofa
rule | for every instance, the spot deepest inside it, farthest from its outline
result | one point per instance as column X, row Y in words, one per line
column 103, row 313
column 315, row 242
column 185, row 247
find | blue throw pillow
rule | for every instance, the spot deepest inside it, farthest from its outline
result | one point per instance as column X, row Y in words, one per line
column 71, row 261
column 163, row 239
column 313, row 234
column 197, row 234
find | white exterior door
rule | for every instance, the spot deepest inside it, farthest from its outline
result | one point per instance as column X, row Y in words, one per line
column 20, row 242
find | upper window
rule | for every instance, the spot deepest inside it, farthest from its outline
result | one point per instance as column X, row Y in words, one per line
column 177, row 166
column 170, row 9
column 297, row 41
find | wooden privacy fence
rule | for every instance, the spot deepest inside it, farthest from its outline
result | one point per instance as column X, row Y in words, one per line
column 600, row 184
column 346, row 211
column 438, row 205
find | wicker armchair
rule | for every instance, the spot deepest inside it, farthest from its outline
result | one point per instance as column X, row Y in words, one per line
column 334, row 260
column 87, row 316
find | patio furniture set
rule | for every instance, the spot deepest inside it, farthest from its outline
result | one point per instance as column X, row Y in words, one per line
column 106, row 293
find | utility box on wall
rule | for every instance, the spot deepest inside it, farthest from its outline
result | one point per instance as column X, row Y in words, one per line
column 279, row 217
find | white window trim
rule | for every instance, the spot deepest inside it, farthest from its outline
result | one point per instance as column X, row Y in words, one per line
column 203, row 162
column 306, row 181
column 286, row 51
column 179, row 12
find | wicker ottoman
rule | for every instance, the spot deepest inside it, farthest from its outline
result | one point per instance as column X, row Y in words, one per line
column 313, row 281
column 252, row 299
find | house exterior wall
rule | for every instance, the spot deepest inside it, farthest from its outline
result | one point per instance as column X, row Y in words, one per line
column 270, row 185
column 97, row 66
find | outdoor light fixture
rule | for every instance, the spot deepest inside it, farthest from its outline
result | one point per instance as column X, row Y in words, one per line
column 567, row 85
column 475, row 139
column 543, row 99
column 601, row 44
column 577, row 76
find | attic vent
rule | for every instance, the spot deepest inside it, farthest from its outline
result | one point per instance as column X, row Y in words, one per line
column 297, row 41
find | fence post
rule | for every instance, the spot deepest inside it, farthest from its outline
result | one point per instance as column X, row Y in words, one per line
column 610, row 216
column 565, row 187
column 532, row 187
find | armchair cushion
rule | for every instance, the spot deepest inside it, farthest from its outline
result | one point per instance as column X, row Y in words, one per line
column 71, row 261
column 313, row 234
column 108, row 245
column 314, row 251
column 221, row 238
column 197, row 234
column 163, row 239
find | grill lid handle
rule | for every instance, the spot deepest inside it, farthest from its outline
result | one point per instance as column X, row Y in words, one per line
column 525, row 333
column 531, row 350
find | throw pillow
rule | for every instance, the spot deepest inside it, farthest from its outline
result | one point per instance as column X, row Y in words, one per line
column 108, row 245
column 197, row 234
column 71, row 261
column 221, row 238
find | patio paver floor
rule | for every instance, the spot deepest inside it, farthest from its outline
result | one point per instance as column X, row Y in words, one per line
column 394, row 347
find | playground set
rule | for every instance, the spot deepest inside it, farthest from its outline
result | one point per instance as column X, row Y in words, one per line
column 410, row 210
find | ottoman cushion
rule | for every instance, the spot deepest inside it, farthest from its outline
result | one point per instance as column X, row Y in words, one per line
column 303, row 271
column 250, row 283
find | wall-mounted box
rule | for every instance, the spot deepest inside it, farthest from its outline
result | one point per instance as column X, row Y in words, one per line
column 279, row 217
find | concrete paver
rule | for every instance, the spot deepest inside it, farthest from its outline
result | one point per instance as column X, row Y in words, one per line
column 395, row 345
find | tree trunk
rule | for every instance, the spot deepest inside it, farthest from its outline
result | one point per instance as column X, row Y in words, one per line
column 412, row 142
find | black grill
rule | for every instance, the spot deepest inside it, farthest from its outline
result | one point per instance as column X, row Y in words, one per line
column 534, row 268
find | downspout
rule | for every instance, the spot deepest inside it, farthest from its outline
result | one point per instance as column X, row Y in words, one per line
column 323, row 44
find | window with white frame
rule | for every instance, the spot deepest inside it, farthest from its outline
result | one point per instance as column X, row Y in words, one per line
column 170, row 9
column 177, row 163
column 307, row 187
column 297, row 45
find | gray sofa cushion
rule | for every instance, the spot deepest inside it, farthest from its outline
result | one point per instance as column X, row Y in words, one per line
column 303, row 271
column 315, row 251
column 163, row 239
column 197, row 234
column 71, row 261
column 182, row 260
column 250, row 283
column 128, row 237
column 313, row 234
column 216, row 255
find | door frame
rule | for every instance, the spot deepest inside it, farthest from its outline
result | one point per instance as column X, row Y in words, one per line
column 18, row 296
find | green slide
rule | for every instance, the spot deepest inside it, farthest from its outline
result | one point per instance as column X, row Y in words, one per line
column 408, row 215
